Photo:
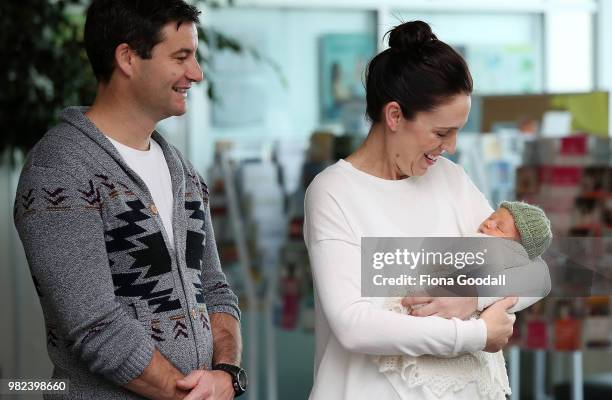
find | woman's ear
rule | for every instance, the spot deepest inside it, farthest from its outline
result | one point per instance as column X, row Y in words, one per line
column 392, row 113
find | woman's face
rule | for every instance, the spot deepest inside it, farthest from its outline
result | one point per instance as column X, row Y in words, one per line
column 415, row 145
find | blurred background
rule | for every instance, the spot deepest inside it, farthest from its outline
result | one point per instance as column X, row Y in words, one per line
column 284, row 98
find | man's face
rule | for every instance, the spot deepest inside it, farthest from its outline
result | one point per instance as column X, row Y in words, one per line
column 161, row 82
column 500, row 224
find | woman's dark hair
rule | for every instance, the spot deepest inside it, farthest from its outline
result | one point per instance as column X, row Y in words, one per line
column 136, row 22
column 418, row 71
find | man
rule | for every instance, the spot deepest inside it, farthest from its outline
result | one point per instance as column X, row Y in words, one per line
column 116, row 224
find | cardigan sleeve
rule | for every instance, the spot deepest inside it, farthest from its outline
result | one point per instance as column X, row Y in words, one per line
column 65, row 247
column 360, row 325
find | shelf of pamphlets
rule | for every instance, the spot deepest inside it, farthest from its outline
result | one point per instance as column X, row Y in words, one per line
column 261, row 208
column 567, row 324
column 571, row 179
column 294, row 299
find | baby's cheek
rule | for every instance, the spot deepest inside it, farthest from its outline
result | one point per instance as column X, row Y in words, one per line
column 484, row 229
column 495, row 233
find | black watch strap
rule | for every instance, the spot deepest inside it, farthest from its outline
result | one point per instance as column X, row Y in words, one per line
column 239, row 377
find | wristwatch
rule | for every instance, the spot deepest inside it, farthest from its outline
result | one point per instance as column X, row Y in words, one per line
column 239, row 377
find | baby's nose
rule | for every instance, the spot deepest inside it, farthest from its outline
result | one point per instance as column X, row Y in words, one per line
column 491, row 224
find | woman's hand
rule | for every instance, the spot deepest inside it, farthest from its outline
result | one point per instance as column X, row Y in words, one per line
column 499, row 324
column 445, row 307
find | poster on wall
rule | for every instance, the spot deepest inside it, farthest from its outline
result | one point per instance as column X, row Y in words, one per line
column 507, row 69
column 343, row 60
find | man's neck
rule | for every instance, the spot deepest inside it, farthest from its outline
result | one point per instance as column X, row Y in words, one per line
column 121, row 120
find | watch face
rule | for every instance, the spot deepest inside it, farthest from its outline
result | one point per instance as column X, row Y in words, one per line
column 242, row 379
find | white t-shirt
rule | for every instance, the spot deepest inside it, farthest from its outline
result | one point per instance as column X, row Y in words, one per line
column 344, row 204
column 152, row 168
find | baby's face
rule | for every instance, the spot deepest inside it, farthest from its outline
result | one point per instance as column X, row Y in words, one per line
column 500, row 224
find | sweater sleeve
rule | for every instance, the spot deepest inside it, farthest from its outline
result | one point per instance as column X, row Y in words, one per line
column 536, row 268
column 65, row 247
column 356, row 322
column 218, row 295
column 479, row 210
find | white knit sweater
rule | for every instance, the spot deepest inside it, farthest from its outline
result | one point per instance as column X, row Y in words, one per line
column 343, row 205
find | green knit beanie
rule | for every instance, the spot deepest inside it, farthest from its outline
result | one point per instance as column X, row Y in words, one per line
column 532, row 224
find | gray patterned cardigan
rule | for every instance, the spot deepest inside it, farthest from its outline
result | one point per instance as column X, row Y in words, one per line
column 110, row 286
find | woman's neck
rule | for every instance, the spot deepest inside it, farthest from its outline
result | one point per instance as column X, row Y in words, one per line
column 372, row 156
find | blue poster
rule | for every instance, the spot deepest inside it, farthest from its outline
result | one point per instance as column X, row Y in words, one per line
column 343, row 62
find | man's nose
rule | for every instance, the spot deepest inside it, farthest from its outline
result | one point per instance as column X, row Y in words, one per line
column 194, row 73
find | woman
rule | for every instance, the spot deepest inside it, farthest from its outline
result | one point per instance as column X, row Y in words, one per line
column 396, row 184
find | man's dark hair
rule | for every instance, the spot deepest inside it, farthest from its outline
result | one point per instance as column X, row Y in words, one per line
column 138, row 23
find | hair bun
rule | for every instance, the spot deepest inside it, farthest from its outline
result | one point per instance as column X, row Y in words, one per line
column 410, row 35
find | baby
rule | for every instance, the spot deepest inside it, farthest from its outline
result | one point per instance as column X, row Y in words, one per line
column 522, row 223
column 517, row 221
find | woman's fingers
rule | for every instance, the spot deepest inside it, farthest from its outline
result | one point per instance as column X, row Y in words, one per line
column 425, row 311
column 506, row 303
column 411, row 301
column 446, row 307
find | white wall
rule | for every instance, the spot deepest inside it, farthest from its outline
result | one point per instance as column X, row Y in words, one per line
column 475, row 28
column 290, row 38
column 569, row 51
column 23, row 351
column 287, row 31
column 481, row 29
column 604, row 51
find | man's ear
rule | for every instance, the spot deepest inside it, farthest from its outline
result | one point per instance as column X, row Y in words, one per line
column 392, row 114
column 125, row 59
